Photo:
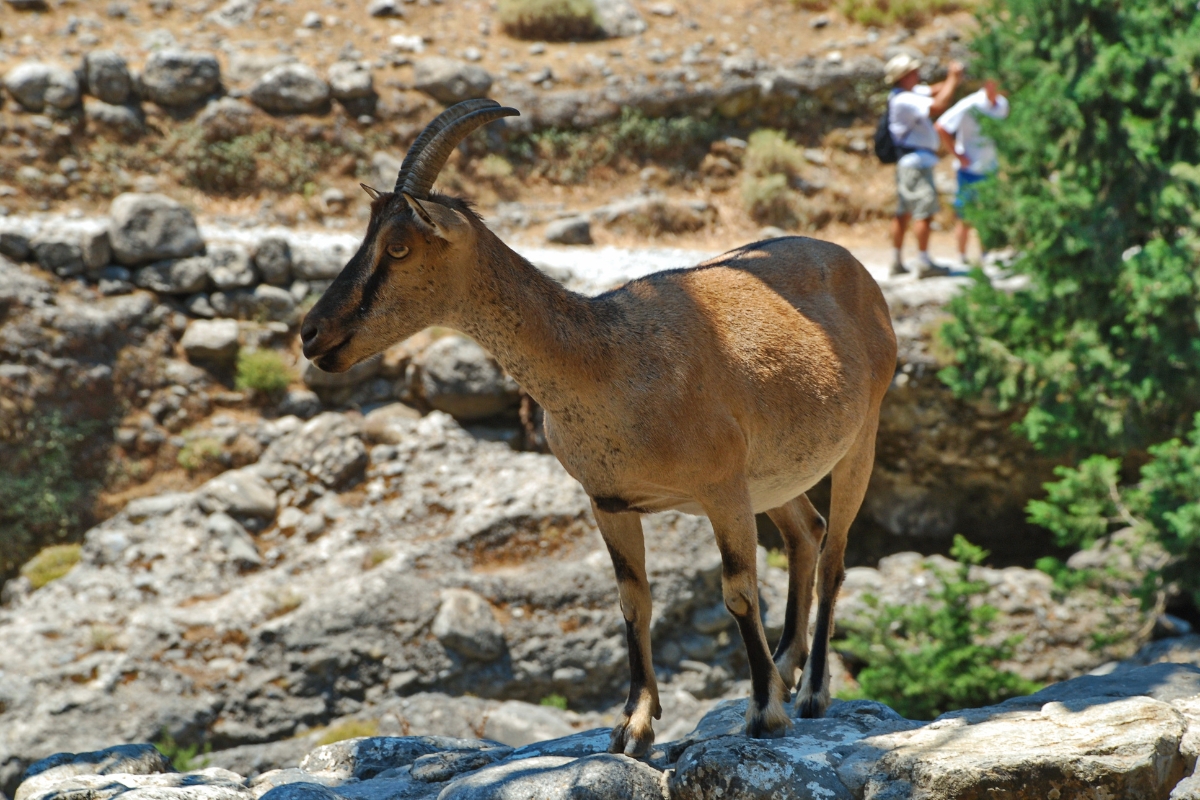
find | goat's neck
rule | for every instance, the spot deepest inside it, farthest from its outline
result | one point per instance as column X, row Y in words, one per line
column 548, row 338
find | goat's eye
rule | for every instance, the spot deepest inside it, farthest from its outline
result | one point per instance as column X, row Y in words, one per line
column 397, row 250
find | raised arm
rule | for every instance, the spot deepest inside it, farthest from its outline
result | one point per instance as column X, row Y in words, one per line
column 943, row 93
column 948, row 140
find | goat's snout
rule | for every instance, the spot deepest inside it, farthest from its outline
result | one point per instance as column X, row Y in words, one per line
column 309, row 332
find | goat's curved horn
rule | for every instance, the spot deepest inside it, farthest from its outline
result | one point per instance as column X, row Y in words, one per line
column 430, row 161
column 454, row 112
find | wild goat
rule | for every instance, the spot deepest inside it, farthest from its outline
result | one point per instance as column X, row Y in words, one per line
column 726, row 389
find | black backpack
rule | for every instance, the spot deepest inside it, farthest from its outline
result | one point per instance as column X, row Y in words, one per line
column 885, row 146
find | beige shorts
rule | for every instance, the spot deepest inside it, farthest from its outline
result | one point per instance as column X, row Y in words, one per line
column 916, row 193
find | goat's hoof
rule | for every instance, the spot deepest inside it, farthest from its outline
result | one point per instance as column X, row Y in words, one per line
column 811, row 706
column 770, row 721
column 631, row 739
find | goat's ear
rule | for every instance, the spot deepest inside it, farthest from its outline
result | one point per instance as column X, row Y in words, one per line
column 436, row 219
column 371, row 190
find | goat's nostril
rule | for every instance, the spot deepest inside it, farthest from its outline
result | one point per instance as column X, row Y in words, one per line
column 309, row 330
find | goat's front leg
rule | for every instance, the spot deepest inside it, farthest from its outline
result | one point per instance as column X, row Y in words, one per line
column 732, row 518
column 634, row 732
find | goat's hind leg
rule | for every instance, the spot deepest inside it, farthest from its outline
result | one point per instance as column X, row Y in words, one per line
column 850, row 478
column 802, row 529
column 634, row 732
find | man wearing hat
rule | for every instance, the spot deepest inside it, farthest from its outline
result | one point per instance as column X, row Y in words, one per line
column 912, row 107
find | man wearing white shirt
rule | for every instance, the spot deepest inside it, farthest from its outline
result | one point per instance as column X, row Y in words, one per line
column 912, row 107
column 959, row 129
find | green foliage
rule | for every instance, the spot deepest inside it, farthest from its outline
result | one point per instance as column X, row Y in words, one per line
column 924, row 660
column 909, row 13
column 1088, row 502
column 1099, row 193
column 200, row 455
column 182, row 758
column 1066, row 580
column 567, row 156
column 777, row 558
column 247, row 163
column 550, row 20
column 555, row 701
column 263, row 371
column 42, row 499
column 772, row 167
column 51, row 563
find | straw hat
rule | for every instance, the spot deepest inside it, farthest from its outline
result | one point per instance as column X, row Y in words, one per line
column 899, row 66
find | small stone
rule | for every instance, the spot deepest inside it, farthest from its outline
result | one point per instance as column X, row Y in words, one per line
column 466, row 624
column 227, row 118
column 290, row 89
column 572, row 230
column 172, row 77
column 240, row 492
column 406, row 43
column 36, row 85
column 231, row 267
column 450, row 81
column 384, row 8
column 662, row 9
column 303, row 403
column 198, row 305
column 175, row 276
column 237, row 543
column 15, row 246
column 311, row 20
column 537, row 48
column 819, row 22
column 123, row 120
column 273, row 257
column 349, row 80
column 149, row 227
column 211, row 340
column 107, row 76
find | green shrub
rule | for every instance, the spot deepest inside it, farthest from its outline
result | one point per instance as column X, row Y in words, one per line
column 263, row 371
column 1090, row 502
column 773, row 165
column 555, row 701
column 1099, row 193
column 567, row 156
column 200, row 455
column 264, row 159
column 42, row 497
column 909, row 13
column 924, row 660
column 51, row 564
column 550, row 20
column 182, row 758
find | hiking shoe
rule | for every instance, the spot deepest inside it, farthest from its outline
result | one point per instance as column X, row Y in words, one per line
column 897, row 268
column 932, row 270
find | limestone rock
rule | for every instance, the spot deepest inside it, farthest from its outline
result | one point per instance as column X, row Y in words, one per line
column 174, row 276
column 213, row 340
column 571, row 230
column 748, row 769
column 517, row 724
column 302, row 403
column 553, row 778
column 36, row 85
column 466, row 624
column 449, row 80
column 349, row 80
column 273, row 257
column 15, row 245
column 368, row 757
column 234, row 13
column 128, row 759
column 177, row 78
column 210, row 784
column 619, row 18
column 440, row 767
column 261, row 303
column 226, row 118
column 384, row 8
column 149, row 227
column 69, row 252
column 107, row 77
column 290, row 89
column 240, row 492
column 459, row 377
column 124, row 120
column 327, row 447
column 231, row 267
column 316, row 378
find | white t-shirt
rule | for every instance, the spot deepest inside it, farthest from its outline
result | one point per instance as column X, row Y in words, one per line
column 963, row 122
column 908, row 120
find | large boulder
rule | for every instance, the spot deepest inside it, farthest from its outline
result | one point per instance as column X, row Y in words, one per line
column 36, row 85
column 107, row 76
column 125, row 759
column 179, row 78
column 459, row 377
column 449, row 80
column 150, row 227
column 290, row 89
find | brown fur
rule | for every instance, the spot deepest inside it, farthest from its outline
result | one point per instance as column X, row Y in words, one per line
column 726, row 389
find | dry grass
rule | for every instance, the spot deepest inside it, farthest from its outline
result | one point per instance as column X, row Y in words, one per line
column 773, row 166
column 550, row 20
column 51, row 564
column 351, row 729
